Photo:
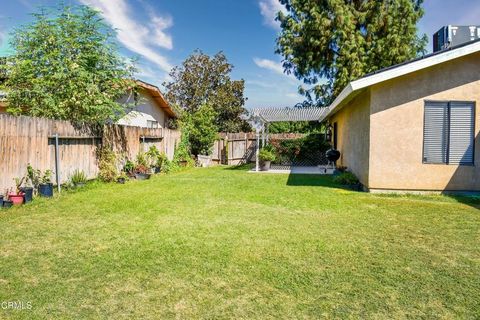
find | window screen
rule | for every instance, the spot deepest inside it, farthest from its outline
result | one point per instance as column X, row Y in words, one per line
column 448, row 133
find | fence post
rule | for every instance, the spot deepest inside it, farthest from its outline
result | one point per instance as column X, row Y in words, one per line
column 57, row 163
column 257, row 147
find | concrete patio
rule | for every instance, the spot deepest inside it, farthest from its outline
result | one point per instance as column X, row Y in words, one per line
column 297, row 170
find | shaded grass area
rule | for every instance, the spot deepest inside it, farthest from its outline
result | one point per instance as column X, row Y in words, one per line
column 220, row 243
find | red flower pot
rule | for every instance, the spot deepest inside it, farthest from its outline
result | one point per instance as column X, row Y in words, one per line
column 17, row 199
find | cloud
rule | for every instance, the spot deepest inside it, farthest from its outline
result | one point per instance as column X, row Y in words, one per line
column 143, row 38
column 269, row 10
column 269, row 65
column 294, row 96
column 2, row 37
column 26, row 4
column 259, row 83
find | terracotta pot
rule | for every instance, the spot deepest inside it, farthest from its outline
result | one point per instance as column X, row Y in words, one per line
column 17, row 199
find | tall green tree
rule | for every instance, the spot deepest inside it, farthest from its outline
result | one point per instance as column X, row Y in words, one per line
column 66, row 66
column 328, row 43
column 203, row 131
column 201, row 80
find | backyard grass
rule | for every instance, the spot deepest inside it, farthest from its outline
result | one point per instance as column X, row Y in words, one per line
column 224, row 243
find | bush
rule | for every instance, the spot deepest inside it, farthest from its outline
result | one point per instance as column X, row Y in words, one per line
column 346, row 178
column 162, row 161
column 129, row 167
column 300, row 149
column 153, row 156
column 142, row 159
column 266, row 155
column 203, row 131
column 78, row 177
column 107, row 165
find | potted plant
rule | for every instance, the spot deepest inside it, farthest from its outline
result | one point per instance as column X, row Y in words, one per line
column 28, row 187
column 45, row 188
column 142, row 172
column 17, row 196
column 153, row 155
column 204, row 160
column 129, row 168
column 78, row 179
column 122, row 178
column 6, row 203
column 33, row 178
column 27, row 193
column 266, row 156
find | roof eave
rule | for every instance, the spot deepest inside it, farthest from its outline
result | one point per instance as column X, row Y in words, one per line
column 399, row 71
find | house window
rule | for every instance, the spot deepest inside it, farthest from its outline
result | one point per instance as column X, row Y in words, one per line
column 152, row 124
column 448, row 132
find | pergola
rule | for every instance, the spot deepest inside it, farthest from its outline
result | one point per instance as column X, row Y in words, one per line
column 260, row 118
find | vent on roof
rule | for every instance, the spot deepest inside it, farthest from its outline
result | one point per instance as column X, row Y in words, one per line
column 451, row 36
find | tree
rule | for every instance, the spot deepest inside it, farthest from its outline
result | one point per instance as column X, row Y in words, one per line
column 203, row 130
column 339, row 40
column 66, row 66
column 201, row 80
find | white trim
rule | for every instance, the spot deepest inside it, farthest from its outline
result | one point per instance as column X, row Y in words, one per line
column 401, row 70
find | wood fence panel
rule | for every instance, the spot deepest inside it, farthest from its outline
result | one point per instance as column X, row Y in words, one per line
column 25, row 140
column 240, row 147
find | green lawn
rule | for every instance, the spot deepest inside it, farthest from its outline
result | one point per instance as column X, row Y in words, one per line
column 224, row 243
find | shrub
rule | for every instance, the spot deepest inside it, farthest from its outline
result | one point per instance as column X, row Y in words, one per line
column 107, row 165
column 153, row 156
column 129, row 167
column 203, row 130
column 162, row 160
column 266, row 155
column 78, row 177
column 141, row 159
column 346, row 178
column 167, row 166
column 182, row 150
column 306, row 148
column 47, row 177
column 33, row 176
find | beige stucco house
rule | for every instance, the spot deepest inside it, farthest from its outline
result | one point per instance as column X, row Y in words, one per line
column 413, row 126
column 149, row 107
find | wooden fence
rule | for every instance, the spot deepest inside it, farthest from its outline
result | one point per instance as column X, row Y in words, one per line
column 239, row 148
column 25, row 140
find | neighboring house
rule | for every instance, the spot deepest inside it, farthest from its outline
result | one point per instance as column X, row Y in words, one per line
column 413, row 126
column 150, row 109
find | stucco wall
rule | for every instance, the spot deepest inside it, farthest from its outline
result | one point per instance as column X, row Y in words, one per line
column 396, row 128
column 146, row 104
column 353, row 135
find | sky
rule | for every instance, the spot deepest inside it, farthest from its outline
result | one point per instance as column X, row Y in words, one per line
column 162, row 33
